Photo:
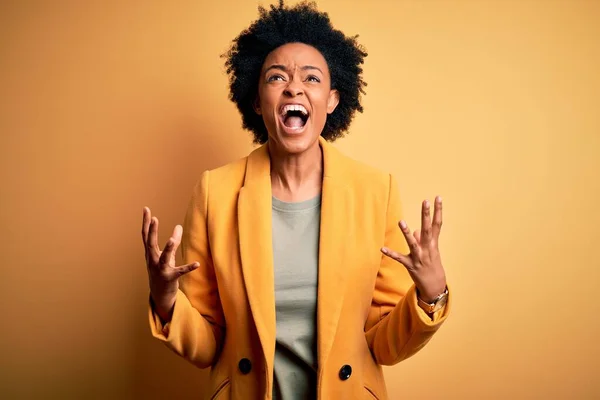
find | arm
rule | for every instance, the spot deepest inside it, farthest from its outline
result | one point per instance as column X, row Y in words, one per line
column 397, row 327
column 197, row 325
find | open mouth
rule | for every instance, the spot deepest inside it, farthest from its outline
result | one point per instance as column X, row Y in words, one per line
column 294, row 116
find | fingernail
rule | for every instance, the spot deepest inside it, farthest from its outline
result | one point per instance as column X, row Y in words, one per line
column 439, row 199
column 384, row 250
column 426, row 203
column 196, row 265
column 403, row 224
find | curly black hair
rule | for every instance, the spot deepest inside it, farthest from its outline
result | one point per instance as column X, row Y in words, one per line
column 301, row 23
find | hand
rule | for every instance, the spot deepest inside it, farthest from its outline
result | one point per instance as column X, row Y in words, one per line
column 423, row 262
column 163, row 275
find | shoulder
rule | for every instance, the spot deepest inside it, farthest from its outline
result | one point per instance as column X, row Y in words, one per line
column 364, row 176
column 230, row 172
column 373, row 190
column 225, row 178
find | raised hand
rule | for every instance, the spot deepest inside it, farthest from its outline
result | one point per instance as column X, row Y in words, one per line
column 424, row 263
column 163, row 274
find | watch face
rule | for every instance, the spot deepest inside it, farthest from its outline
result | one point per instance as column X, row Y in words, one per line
column 441, row 303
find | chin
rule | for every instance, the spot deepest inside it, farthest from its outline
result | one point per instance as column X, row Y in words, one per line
column 296, row 142
column 297, row 146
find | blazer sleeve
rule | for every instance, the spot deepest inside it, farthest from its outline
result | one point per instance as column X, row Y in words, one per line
column 197, row 327
column 397, row 327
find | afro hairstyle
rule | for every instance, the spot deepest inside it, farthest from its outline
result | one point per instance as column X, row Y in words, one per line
column 302, row 23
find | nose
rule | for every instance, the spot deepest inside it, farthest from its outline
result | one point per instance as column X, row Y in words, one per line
column 293, row 89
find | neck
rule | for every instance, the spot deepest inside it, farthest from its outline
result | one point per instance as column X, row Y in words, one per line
column 296, row 177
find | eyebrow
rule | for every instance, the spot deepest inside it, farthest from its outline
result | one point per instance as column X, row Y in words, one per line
column 283, row 68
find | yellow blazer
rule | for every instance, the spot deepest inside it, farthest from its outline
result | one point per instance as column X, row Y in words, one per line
column 367, row 312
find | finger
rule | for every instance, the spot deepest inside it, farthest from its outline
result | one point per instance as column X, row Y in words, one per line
column 417, row 235
column 425, row 223
column 401, row 258
column 176, row 236
column 146, row 224
column 410, row 239
column 152, row 243
column 167, row 252
column 437, row 218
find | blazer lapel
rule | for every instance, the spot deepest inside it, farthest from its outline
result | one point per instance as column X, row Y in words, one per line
column 256, row 248
column 335, row 208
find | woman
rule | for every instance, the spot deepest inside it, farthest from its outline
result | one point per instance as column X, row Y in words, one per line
column 296, row 283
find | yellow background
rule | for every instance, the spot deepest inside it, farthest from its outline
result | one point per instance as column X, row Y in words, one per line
column 107, row 106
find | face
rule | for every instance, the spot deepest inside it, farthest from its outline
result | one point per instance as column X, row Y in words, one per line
column 295, row 96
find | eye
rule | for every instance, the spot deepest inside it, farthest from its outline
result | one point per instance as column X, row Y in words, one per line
column 275, row 77
column 313, row 78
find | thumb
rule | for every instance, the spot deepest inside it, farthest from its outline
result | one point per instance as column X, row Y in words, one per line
column 401, row 258
column 184, row 269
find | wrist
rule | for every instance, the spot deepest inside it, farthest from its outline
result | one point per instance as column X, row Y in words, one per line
column 163, row 300
column 430, row 296
column 160, row 290
column 434, row 305
column 163, row 307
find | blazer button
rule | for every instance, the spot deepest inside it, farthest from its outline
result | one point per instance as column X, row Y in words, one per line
column 345, row 372
column 245, row 366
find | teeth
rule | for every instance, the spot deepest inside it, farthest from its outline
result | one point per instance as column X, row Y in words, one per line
column 294, row 107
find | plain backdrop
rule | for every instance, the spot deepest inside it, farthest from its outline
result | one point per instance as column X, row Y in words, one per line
column 109, row 106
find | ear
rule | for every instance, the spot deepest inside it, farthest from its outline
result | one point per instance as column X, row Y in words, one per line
column 256, row 105
column 333, row 100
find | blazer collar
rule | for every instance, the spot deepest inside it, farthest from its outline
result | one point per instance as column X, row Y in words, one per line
column 256, row 248
column 258, row 166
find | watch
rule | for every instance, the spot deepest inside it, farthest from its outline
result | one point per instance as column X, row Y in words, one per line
column 437, row 304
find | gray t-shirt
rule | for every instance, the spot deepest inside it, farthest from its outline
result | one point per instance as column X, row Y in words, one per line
column 296, row 258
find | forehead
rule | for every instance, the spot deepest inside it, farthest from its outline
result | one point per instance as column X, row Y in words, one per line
column 296, row 54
